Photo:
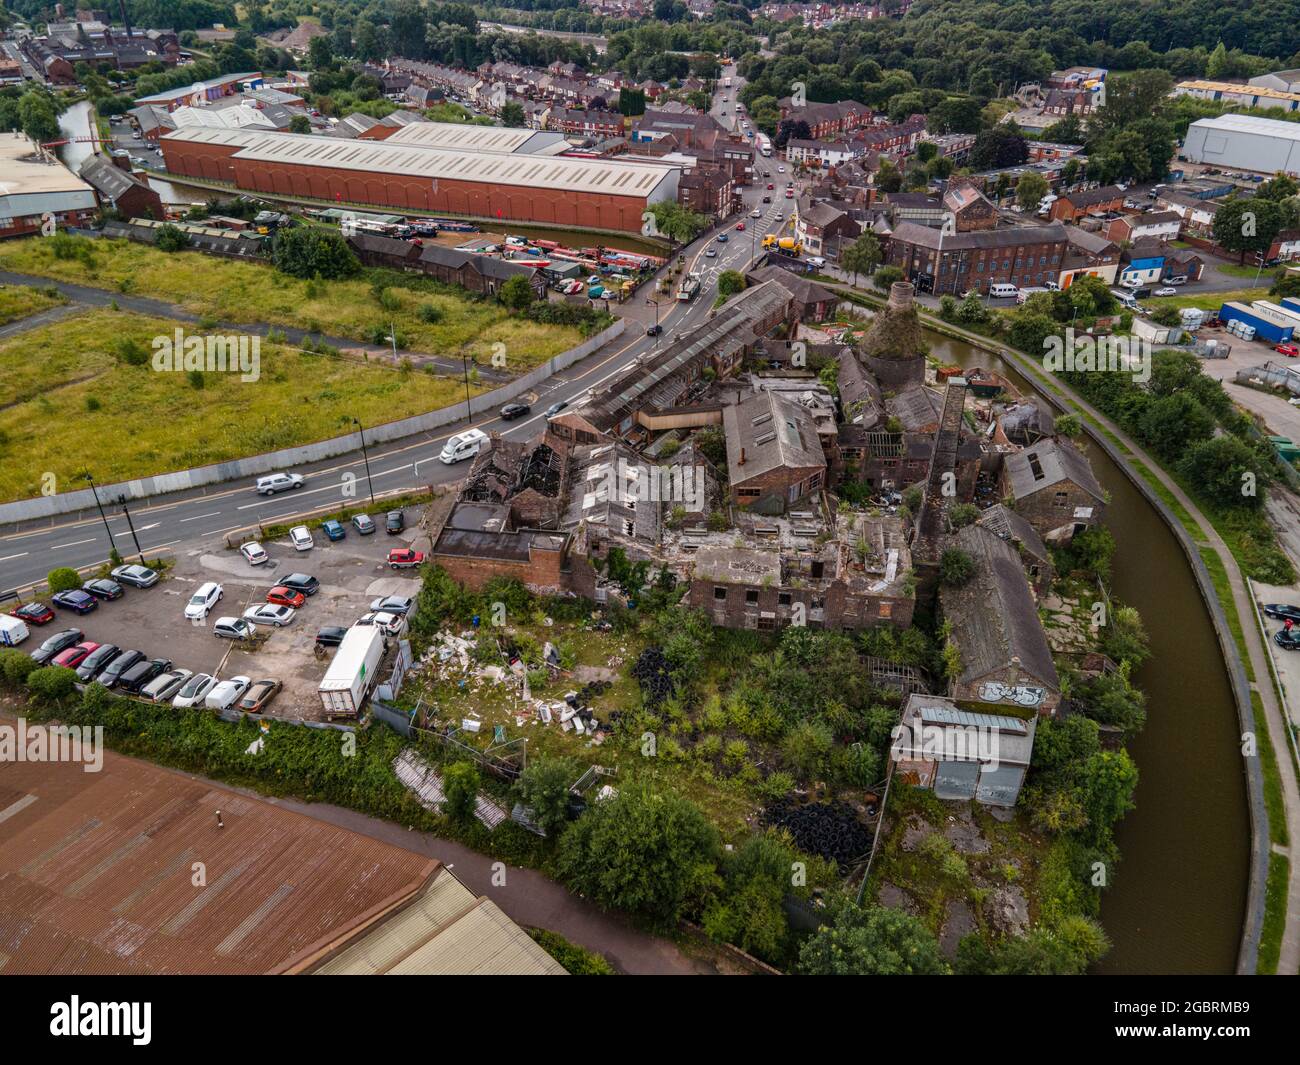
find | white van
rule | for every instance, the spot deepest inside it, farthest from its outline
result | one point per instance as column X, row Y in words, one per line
column 463, row 446
column 1023, row 295
column 1127, row 299
column 1002, row 292
column 13, row 631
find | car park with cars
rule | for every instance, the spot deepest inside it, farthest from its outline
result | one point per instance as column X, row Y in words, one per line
column 301, row 582
column 1282, row 611
column 77, row 601
column 103, row 588
column 405, row 558
column 254, row 554
column 140, row 674
column 390, row 623
column 112, row 673
column 270, row 614
column 258, row 695
column 203, row 600
column 33, row 613
column 60, row 641
column 1289, row 350
column 330, row 636
column 333, row 529
column 281, row 595
column 1287, row 639
column 393, row 604
column 135, row 576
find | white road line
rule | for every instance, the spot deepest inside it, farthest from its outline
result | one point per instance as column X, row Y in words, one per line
column 74, row 543
column 210, row 514
column 21, row 554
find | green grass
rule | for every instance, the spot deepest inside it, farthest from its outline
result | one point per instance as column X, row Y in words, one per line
column 1208, row 301
column 1270, row 936
column 22, row 301
column 243, row 292
column 1273, row 798
column 157, row 422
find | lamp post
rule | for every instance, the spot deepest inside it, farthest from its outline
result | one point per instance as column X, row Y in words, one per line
column 464, row 365
column 656, row 306
column 121, row 502
column 95, row 492
column 364, row 454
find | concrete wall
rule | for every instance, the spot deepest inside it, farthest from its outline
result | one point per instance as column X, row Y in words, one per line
column 256, row 465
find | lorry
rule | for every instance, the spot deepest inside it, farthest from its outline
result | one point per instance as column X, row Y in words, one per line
column 352, row 672
column 689, row 288
column 1279, row 313
column 1265, row 324
column 764, row 145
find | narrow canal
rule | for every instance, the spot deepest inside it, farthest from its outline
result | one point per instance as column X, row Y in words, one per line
column 1179, row 896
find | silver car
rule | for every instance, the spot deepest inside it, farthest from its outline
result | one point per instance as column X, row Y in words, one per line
column 164, row 686
column 270, row 614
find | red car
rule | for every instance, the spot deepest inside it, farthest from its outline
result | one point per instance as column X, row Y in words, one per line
column 404, row 557
column 740, row 227
column 282, row 596
column 770, row 187
column 74, row 656
column 1287, row 349
column 33, row 613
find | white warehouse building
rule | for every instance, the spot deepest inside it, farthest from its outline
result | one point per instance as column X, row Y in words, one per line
column 1244, row 142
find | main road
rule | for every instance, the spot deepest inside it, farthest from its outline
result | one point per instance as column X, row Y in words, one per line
column 28, row 552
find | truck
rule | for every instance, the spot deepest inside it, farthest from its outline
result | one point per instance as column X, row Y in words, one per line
column 789, row 245
column 764, row 145
column 1266, row 325
column 689, row 288
column 352, row 672
column 1279, row 313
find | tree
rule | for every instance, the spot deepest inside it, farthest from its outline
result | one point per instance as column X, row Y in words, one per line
column 320, row 53
column 1171, row 423
column 886, row 276
column 730, row 282
column 172, row 238
column 512, row 115
column 1226, row 471
column 516, row 293
column 807, row 749
column 300, row 124
column 649, row 854
column 1030, row 190
column 1002, row 146
column 460, row 782
column 872, row 942
column 63, row 579
column 1243, row 226
column 1069, row 426
column 311, row 251
column 956, row 566
column 862, row 256
column 544, row 788
column 631, row 101
column 1108, row 781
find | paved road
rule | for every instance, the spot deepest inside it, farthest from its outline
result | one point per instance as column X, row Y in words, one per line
column 30, row 551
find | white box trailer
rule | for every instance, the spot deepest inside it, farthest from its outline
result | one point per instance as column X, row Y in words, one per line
column 353, row 671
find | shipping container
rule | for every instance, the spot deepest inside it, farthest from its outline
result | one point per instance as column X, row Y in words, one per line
column 1274, row 312
column 1265, row 325
column 353, row 671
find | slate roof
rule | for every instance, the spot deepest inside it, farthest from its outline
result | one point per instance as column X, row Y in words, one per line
column 1013, row 237
column 1048, row 464
column 773, row 433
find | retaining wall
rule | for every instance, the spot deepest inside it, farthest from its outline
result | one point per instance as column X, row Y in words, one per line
column 287, row 458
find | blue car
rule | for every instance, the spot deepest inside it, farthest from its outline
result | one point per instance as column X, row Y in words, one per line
column 333, row 530
column 722, row 238
column 76, row 600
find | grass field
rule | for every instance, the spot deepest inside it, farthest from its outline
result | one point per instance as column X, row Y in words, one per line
column 1209, row 301
column 52, row 377
column 232, row 291
column 21, row 301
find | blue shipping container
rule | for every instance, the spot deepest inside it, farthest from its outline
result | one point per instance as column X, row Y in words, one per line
column 1265, row 328
column 1291, row 303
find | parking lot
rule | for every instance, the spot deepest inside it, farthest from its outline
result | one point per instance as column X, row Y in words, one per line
column 351, row 572
column 1286, row 662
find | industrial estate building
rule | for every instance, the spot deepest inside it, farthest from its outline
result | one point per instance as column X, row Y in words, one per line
column 438, row 167
column 1244, row 142
column 34, row 185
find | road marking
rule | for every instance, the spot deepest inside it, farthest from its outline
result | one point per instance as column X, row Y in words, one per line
column 210, row 514
column 74, row 543
column 21, row 554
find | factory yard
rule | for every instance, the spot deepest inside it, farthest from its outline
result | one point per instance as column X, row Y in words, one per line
column 255, row 293
column 69, row 386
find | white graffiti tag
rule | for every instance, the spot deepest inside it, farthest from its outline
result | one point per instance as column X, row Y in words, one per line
column 1021, row 695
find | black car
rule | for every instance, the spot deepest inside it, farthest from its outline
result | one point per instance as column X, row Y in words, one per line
column 511, row 411
column 1288, row 640
column 97, row 660
column 654, row 330
column 60, row 641
column 395, row 522
column 140, row 674
column 301, row 582
column 555, row 408
column 330, row 636
column 103, row 588
column 76, row 600
column 1282, row 611
column 112, row 675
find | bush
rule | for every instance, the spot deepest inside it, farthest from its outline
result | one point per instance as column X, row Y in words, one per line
column 63, row 579
column 577, row 961
column 886, row 276
column 313, row 252
column 15, row 666
column 429, row 313
column 544, row 788
column 956, row 567
column 171, row 238
column 872, row 942
column 52, row 684
column 460, row 783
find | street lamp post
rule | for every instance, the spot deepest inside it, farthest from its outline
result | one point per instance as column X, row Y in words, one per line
column 464, row 365
column 370, row 485
column 656, row 306
column 121, row 502
column 95, row 492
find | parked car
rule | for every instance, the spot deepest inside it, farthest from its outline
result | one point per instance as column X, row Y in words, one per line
column 1288, row 641
column 405, row 558
column 333, row 529
column 72, row 657
column 278, row 482
column 330, row 636
column 33, row 613
column 254, row 554
column 258, row 695
column 1290, row 350
column 234, row 629
column 165, row 685
column 300, row 537
column 270, row 614
column 363, row 523
column 203, row 600
column 1282, row 611
column 140, row 674
column 511, row 411
column 135, row 576
column 77, row 601
column 226, row 693
column 103, row 588
column 60, row 641
column 390, row 623
column 281, row 595
column 194, row 690
column 393, row 604
column 1166, row 291
column 112, row 673
column 95, row 661
column 301, row 582
column 394, row 522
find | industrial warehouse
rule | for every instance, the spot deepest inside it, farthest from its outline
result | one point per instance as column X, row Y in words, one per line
column 1245, row 142
column 476, row 177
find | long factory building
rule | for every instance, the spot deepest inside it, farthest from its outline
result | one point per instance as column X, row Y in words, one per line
column 485, row 171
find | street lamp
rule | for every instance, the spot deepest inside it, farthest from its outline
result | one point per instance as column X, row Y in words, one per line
column 111, row 545
column 369, row 483
column 656, row 306
column 464, row 365
column 121, row 502
column 392, row 336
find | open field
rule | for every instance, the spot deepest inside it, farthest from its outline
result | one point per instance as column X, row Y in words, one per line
column 51, row 379
column 1208, row 301
column 21, row 301
column 253, row 292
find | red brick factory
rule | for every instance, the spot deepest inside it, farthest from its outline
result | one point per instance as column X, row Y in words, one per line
column 520, row 180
